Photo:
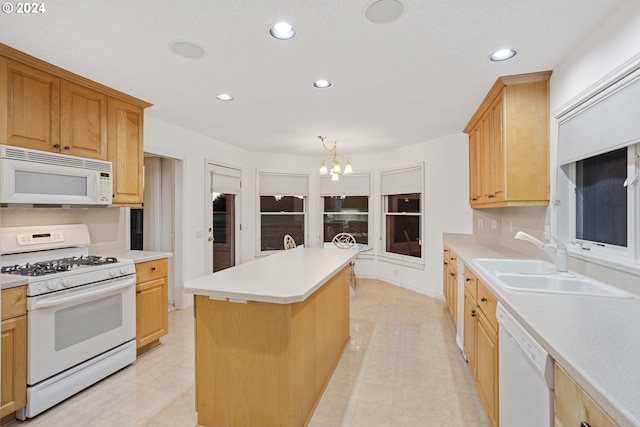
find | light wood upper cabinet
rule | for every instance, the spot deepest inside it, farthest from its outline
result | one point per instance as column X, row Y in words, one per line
column 30, row 113
column 126, row 151
column 47, row 108
column 509, row 144
column 83, row 130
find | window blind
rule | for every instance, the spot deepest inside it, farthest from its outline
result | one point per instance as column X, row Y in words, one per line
column 272, row 184
column 608, row 121
column 401, row 181
column 349, row 185
column 225, row 180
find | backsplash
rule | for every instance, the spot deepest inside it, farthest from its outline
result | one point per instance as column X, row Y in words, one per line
column 533, row 220
column 106, row 225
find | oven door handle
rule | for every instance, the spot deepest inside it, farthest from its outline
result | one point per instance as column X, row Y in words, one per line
column 80, row 296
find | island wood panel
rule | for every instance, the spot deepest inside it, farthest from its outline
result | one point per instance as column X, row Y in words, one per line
column 264, row 364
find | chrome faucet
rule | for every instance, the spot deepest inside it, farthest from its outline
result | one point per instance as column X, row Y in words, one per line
column 557, row 254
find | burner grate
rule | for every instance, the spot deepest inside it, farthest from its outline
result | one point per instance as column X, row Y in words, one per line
column 56, row 266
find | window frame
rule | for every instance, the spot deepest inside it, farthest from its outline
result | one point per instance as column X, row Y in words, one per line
column 399, row 186
column 283, row 213
column 367, row 213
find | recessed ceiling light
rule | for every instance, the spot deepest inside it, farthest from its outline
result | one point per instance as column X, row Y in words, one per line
column 187, row 49
column 282, row 31
column 384, row 11
column 224, row 97
column 322, row 84
column 503, row 54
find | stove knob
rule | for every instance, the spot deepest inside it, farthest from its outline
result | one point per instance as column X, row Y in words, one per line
column 114, row 272
column 123, row 271
column 67, row 282
column 51, row 285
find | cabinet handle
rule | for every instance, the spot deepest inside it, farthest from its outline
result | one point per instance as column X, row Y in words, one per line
column 491, row 196
column 451, row 273
column 474, row 199
column 473, row 313
column 153, row 269
column 138, row 291
column 56, row 145
column 446, row 263
column 66, row 147
column 467, row 279
column 584, row 424
column 483, row 299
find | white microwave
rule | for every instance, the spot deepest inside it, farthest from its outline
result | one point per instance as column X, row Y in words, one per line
column 33, row 177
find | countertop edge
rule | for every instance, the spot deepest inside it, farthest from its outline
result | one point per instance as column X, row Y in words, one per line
column 467, row 248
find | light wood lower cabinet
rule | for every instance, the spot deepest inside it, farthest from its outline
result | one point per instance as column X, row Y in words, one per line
column 481, row 342
column 450, row 282
column 14, row 352
column 573, row 406
column 152, row 303
column 264, row 364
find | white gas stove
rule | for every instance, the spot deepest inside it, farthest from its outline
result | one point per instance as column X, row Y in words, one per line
column 81, row 310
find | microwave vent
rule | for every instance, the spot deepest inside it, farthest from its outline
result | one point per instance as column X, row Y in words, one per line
column 26, row 155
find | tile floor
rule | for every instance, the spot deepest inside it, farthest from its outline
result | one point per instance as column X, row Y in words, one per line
column 401, row 368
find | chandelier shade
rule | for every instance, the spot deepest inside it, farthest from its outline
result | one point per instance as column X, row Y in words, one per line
column 333, row 159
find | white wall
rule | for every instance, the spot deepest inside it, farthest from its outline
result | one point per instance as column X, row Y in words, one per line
column 446, row 207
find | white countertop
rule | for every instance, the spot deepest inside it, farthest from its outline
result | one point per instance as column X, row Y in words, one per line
column 140, row 256
column 11, row 281
column 283, row 278
column 595, row 339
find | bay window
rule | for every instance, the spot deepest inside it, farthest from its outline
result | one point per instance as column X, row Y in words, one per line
column 345, row 207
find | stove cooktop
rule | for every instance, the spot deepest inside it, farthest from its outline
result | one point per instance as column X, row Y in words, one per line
column 42, row 268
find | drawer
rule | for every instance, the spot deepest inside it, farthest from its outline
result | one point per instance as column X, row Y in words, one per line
column 14, row 302
column 470, row 282
column 488, row 304
column 152, row 270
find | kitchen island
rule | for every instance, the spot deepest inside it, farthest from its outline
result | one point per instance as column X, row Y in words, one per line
column 268, row 335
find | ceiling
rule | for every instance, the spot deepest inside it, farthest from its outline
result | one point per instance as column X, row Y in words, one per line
column 412, row 80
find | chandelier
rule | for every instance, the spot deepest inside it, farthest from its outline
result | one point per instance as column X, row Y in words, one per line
column 334, row 160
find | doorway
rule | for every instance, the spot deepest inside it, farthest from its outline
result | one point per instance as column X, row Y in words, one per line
column 222, row 216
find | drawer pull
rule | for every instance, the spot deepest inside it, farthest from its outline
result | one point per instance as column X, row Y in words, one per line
column 473, row 313
column 153, row 269
column 467, row 279
column 138, row 291
column 451, row 273
column 483, row 299
column 584, row 424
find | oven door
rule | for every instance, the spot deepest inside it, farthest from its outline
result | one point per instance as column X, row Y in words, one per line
column 69, row 327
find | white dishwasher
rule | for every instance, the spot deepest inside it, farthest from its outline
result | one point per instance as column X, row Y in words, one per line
column 526, row 376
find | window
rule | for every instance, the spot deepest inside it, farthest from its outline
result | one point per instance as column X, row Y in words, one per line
column 282, row 209
column 601, row 198
column 281, row 215
column 402, row 224
column 401, row 191
column 598, row 155
column 348, row 214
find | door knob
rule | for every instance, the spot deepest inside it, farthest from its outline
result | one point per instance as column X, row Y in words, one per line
column 210, row 239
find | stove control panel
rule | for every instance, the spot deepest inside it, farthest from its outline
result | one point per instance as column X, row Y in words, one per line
column 23, row 239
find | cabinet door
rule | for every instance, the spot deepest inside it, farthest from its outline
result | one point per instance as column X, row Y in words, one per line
column 470, row 316
column 487, row 367
column 497, row 150
column 152, row 311
column 83, row 130
column 126, row 151
column 14, row 365
column 30, row 116
column 573, row 406
column 475, row 166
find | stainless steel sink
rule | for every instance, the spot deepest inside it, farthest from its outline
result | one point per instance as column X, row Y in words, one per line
column 519, row 266
column 560, row 284
column 532, row 275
